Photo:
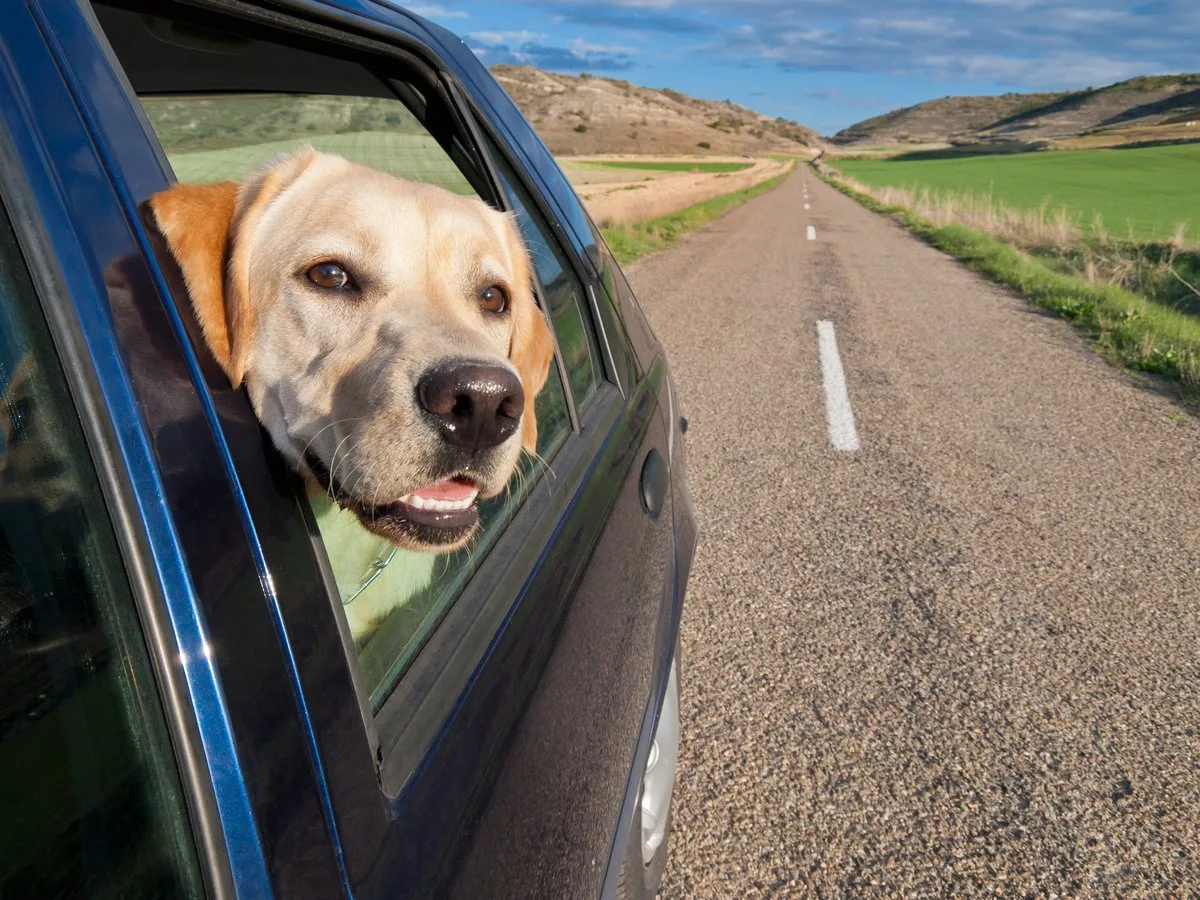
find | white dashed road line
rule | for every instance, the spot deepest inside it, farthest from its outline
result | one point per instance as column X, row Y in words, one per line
column 812, row 232
column 842, row 433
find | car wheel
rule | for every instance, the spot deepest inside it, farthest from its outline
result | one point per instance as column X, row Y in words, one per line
column 646, row 850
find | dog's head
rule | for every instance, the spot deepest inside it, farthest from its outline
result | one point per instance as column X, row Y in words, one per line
column 385, row 330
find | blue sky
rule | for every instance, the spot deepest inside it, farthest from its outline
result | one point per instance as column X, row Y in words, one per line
column 828, row 63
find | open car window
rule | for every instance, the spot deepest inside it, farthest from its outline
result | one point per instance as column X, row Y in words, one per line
column 221, row 104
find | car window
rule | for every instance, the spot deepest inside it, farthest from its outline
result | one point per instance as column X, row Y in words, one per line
column 218, row 138
column 221, row 115
column 90, row 801
column 564, row 293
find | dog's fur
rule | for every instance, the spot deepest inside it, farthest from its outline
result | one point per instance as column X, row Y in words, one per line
column 332, row 375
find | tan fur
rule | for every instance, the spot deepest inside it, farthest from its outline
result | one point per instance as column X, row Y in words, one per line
column 532, row 349
column 195, row 221
column 332, row 376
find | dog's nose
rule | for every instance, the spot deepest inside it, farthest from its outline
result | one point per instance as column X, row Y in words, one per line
column 476, row 406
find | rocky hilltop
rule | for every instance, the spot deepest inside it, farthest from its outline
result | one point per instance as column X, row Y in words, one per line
column 1143, row 108
column 588, row 114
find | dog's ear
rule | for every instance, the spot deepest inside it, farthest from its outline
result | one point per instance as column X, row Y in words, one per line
column 200, row 223
column 532, row 349
column 195, row 219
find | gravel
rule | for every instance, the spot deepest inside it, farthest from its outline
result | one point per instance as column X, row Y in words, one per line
column 963, row 660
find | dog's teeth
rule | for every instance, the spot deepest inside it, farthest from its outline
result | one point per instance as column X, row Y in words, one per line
column 418, row 502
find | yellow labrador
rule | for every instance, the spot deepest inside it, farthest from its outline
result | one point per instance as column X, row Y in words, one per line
column 385, row 330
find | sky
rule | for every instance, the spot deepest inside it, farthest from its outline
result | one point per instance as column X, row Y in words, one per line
column 830, row 63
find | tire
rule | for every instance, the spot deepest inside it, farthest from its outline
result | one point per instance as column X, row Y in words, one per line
column 639, row 881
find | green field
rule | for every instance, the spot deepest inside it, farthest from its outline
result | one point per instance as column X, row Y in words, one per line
column 1142, row 193
column 706, row 167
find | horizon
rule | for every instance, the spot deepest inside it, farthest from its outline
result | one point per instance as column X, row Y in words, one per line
column 826, row 68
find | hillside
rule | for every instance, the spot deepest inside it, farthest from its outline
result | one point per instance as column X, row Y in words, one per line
column 1147, row 108
column 941, row 120
column 587, row 114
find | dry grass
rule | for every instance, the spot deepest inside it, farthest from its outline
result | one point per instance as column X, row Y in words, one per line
column 1168, row 271
column 1042, row 226
column 613, row 205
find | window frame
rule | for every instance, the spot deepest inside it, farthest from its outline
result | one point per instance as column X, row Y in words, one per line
column 401, row 742
column 610, row 358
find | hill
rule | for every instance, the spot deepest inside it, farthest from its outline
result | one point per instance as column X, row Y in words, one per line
column 1144, row 109
column 588, row 114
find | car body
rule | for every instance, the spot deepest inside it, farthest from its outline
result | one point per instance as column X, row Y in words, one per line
column 183, row 712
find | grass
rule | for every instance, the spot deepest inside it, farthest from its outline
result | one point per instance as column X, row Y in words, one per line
column 414, row 156
column 1142, row 194
column 632, row 241
column 646, row 166
column 1129, row 328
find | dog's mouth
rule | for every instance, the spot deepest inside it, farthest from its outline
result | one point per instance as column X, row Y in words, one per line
column 440, row 516
column 443, row 504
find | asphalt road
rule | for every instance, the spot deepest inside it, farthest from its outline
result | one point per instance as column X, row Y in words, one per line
column 964, row 659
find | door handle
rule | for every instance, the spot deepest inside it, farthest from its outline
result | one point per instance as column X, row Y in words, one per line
column 655, row 480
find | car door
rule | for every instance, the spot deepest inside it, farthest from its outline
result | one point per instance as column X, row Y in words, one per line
column 126, row 767
column 496, row 745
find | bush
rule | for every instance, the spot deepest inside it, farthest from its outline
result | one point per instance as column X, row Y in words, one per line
column 704, row 144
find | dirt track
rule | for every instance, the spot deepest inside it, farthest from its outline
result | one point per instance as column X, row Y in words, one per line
column 638, row 196
column 963, row 660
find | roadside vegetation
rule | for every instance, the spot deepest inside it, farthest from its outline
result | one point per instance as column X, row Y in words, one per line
column 1138, row 298
column 1141, row 194
column 634, row 240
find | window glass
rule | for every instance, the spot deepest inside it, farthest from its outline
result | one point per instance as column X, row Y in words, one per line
column 564, row 294
column 215, row 121
column 90, row 802
column 218, row 138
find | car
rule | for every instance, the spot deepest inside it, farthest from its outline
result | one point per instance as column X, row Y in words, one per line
column 183, row 708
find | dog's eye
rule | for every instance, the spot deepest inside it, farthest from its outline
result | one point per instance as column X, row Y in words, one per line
column 493, row 299
column 330, row 276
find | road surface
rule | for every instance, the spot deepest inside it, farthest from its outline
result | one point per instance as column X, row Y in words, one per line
column 961, row 659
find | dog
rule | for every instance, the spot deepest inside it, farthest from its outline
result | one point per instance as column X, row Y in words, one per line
column 385, row 331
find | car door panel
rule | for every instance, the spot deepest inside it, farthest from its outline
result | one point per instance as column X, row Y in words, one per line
column 554, row 808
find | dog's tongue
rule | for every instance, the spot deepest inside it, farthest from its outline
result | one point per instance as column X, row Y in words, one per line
column 455, row 490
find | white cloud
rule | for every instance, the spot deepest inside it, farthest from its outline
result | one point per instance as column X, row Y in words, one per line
column 437, row 13
column 587, row 48
column 511, row 38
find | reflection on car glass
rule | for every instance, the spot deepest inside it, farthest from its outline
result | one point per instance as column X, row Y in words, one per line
column 226, row 136
column 89, row 798
column 395, row 598
column 563, row 292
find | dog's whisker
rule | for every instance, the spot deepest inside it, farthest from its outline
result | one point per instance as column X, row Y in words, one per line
column 321, row 431
column 333, row 460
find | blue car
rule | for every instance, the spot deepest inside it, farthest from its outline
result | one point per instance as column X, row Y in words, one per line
column 184, row 709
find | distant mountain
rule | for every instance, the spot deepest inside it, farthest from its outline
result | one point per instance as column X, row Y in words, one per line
column 1145, row 108
column 588, row 114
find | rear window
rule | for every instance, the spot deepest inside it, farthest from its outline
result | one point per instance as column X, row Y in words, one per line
column 221, row 105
